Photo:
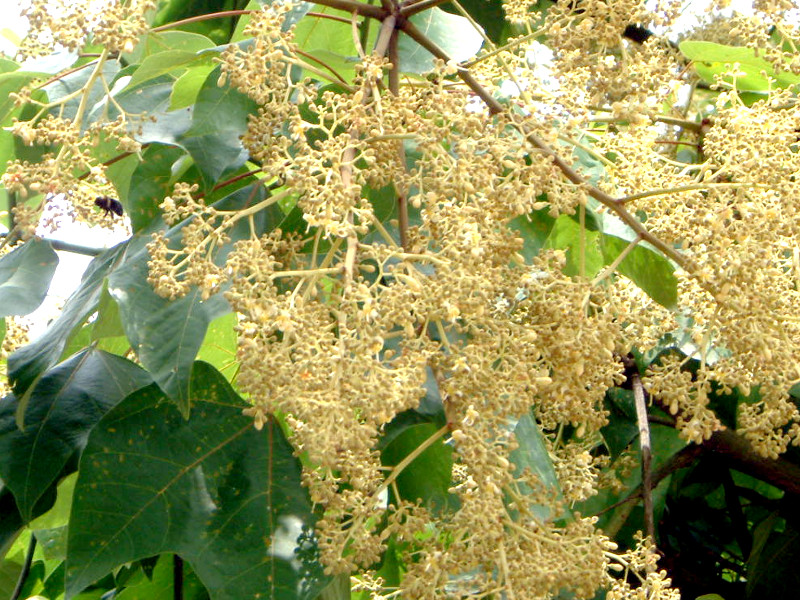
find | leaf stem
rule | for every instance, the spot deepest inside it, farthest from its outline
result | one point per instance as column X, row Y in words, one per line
column 26, row 568
column 352, row 6
column 411, row 457
column 689, row 187
column 197, row 19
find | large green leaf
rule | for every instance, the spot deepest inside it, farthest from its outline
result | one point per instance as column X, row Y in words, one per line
column 25, row 275
column 453, row 33
column 531, row 454
column 64, row 406
column 315, row 33
column 150, row 119
column 151, row 182
column 159, row 586
column 155, row 42
column 566, row 234
column 772, row 566
column 30, row 361
column 11, row 522
column 534, row 229
column 217, row 29
column 224, row 496
column 50, row 529
column 220, row 119
column 754, row 74
column 170, row 62
column 219, row 345
column 69, row 86
column 13, row 82
column 430, row 475
column 644, row 265
column 167, row 334
column 188, row 85
column 170, row 53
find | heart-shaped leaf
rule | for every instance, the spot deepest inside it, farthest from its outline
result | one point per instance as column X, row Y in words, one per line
column 225, row 497
column 66, row 403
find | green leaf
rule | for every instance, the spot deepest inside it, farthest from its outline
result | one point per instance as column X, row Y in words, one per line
column 756, row 74
column 13, row 82
column 453, row 33
column 187, row 87
column 167, row 334
column 646, row 267
column 159, row 586
column 50, row 529
column 220, row 344
column 534, row 228
column 73, row 84
column 151, row 182
column 532, row 454
column 9, row 573
column 64, row 406
column 315, row 33
column 155, row 121
column 566, row 234
column 224, row 496
column 25, row 275
column 107, row 324
column 429, row 475
column 219, row 121
column 11, row 522
column 164, row 334
column 169, row 62
column 621, row 428
column 155, row 42
column 30, row 361
column 772, row 567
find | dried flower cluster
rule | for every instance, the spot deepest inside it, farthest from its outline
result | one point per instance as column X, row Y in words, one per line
column 341, row 331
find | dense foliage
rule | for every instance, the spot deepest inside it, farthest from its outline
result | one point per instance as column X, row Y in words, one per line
column 422, row 299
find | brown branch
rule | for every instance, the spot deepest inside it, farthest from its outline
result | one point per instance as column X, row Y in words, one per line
column 644, row 444
column 394, row 88
column 324, row 65
column 320, row 15
column 736, row 453
column 352, row 6
column 63, row 74
column 418, row 7
column 681, row 459
column 495, row 107
column 111, row 161
column 741, row 456
column 217, row 15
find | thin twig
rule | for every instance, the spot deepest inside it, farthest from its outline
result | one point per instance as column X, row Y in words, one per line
column 394, row 87
column 571, row 174
column 418, row 7
column 644, row 444
column 217, row 15
column 352, row 6
column 26, row 568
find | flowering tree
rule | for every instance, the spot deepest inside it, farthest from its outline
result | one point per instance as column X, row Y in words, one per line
column 495, row 301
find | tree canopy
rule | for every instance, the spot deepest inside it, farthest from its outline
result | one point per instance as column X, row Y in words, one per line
column 420, row 299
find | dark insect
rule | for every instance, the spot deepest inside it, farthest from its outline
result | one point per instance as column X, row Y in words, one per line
column 109, row 205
